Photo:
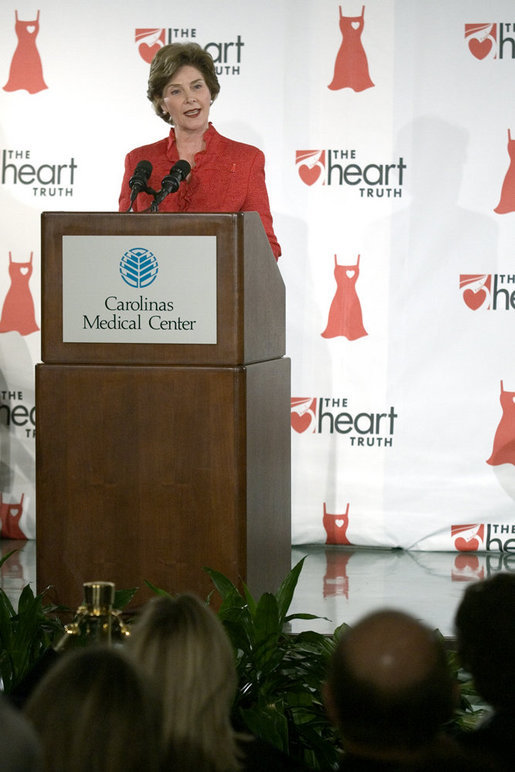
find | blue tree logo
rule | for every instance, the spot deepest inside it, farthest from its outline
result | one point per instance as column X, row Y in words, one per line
column 139, row 267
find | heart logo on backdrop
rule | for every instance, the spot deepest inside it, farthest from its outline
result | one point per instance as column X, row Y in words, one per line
column 480, row 48
column 464, row 545
column 310, row 164
column 147, row 52
column 149, row 40
column 301, row 422
column 476, row 290
column 474, row 300
column 309, row 175
column 339, row 523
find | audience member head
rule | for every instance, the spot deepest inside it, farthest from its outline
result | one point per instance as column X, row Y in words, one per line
column 389, row 687
column 485, row 628
column 19, row 745
column 94, row 710
column 182, row 644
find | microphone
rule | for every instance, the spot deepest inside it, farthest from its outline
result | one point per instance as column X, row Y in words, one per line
column 139, row 179
column 171, row 182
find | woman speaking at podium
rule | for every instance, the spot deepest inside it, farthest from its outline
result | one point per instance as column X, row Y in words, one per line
column 221, row 175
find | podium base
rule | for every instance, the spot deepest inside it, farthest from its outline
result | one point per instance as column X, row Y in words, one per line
column 155, row 472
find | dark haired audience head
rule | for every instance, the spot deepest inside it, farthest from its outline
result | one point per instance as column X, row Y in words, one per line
column 389, row 688
column 485, row 628
column 94, row 710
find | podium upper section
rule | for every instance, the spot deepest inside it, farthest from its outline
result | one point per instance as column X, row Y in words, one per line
column 158, row 288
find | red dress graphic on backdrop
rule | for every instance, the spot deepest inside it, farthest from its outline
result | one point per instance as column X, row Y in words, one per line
column 26, row 71
column 10, row 515
column 507, row 202
column 504, row 441
column 336, row 526
column 351, row 66
column 345, row 315
column 18, row 310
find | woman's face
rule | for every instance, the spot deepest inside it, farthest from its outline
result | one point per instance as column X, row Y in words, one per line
column 187, row 99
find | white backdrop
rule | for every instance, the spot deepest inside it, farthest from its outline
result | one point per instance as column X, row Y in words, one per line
column 399, row 272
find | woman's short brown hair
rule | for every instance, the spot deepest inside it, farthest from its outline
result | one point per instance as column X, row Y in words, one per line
column 168, row 61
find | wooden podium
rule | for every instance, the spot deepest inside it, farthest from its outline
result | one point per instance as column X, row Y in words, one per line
column 159, row 455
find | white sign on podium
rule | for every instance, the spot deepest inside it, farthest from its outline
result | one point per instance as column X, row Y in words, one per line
column 132, row 289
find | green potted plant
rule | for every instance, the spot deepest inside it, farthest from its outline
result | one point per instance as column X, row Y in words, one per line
column 26, row 633
column 280, row 674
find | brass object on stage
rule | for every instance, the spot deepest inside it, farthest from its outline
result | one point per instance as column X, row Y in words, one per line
column 95, row 621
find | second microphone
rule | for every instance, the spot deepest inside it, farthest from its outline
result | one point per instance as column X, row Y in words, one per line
column 170, row 183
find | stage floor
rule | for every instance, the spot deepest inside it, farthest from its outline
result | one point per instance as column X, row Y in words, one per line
column 340, row 584
column 344, row 583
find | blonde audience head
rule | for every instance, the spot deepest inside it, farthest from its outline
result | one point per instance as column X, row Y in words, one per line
column 183, row 646
column 95, row 710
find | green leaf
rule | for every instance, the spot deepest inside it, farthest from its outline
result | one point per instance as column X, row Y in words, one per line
column 251, row 603
column 286, row 590
column 157, row 590
column 224, row 585
column 122, row 598
column 269, row 723
column 4, row 599
column 304, row 616
column 234, row 606
column 267, row 630
column 6, row 557
column 6, row 627
column 238, row 625
column 26, row 600
column 266, row 619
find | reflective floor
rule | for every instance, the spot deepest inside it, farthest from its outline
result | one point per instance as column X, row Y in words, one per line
column 19, row 569
column 343, row 583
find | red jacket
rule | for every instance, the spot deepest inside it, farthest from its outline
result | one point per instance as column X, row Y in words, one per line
column 228, row 176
